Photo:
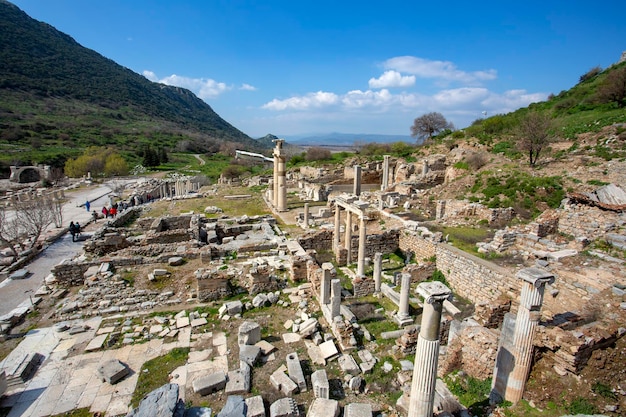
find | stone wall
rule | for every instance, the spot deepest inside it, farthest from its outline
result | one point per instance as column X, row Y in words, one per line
column 473, row 350
column 212, row 285
column 320, row 241
column 409, row 240
column 363, row 286
column 587, row 221
column 474, row 278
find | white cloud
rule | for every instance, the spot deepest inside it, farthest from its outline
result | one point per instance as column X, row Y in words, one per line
column 444, row 70
column 150, row 75
column 247, row 87
column 311, row 100
column 205, row 88
column 460, row 96
column 512, row 100
column 392, row 79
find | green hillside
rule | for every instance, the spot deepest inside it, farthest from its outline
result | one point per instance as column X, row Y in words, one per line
column 57, row 97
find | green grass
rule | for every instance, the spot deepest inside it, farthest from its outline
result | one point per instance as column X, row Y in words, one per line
column 473, row 393
column 155, row 372
column 81, row 412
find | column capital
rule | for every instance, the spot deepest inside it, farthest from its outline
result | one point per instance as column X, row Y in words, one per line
column 434, row 292
column 537, row 277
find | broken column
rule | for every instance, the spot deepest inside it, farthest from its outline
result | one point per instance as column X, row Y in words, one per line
column 378, row 264
column 515, row 357
column 403, row 317
column 427, row 351
column 335, row 298
column 360, row 268
column 327, row 267
column 357, row 180
column 385, row 183
column 306, row 215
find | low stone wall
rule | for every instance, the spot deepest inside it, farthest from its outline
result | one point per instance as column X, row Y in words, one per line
column 320, row 240
column 409, row 240
column 363, row 286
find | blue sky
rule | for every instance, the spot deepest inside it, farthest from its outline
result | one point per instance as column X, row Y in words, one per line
column 296, row 67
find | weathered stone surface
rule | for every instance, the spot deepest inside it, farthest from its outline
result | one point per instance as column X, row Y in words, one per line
column 294, row 368
column 175, row 261
column 357, row 410
column 321, row 386
column 113, row 371
column 209, row 384
column 284, row 407
column 162, row 402
column 239, row 380
column 235, row 407
column 349, row 365
column 256, row 407
column 249, row 354
column 328, row 349
column 323, row 407
column 283, row 383
column 198, row 412
column 249, row 333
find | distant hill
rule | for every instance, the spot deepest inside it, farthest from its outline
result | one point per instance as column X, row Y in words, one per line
column 55, row 93
column 345, row 139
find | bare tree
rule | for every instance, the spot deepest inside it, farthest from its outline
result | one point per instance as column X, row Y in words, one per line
column 429, row 124
column 533, row 134
column 33, row 217
column 10, row 236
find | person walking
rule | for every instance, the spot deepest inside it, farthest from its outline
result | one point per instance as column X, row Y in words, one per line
column 87, row 205
column 72, row 229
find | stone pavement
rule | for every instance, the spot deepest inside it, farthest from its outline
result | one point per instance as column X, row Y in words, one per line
column 63, row 382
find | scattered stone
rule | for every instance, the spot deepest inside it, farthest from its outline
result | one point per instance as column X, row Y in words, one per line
column 249, row 333
column 175, row 261
column 113, row 371
column 249, row 354
column 209, row 384
column 323, row 407
column 162, row 402
column 328, row 350
column 239, row 380
column 284, row 407
column 235, row 407
column 283, row 383
column 256, row 407
column 348, row 364
column 321, row 386
column 357, row 410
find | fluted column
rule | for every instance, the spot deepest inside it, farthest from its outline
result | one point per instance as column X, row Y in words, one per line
column 528, row 316
column 360, row 268
column 427, row 351
column 403, row 317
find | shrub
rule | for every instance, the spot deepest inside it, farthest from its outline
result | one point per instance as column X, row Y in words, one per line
column 317, row 154
column 590, row 74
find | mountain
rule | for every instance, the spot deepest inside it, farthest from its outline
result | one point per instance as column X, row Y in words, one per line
column 57, row 93
column 345, row 139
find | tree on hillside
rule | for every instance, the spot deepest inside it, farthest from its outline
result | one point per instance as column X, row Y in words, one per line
column 613, row 89
column 533, row 134
column 428, row 125
column 95, row 160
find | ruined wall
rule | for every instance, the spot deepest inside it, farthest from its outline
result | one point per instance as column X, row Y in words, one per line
column 474, row 278
column 212, row 285
column 363, row 286
column 473, row 350
column 409, row 240
column 72, row 273
column 320, row 241
column 587, row 221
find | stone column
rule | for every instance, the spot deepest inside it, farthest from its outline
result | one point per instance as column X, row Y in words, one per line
column 348, row 236
column 275, row 181
column 357, row 180
column 337, row 233
column 281, row 204
column 403, row 317
column 385, row 183
column 327, row 267
column 306, row 215
column 335, row 298
column 378, row 266
column 360, row 268
column 427, row 351
column 512, row 367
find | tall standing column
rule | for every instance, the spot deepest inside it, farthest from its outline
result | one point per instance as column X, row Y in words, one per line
column 306, row 215
column 282, row 177
column 378, row 266
column 360, row 268
column 357, row 180
column 337, row 233
column 385, row 183
column 427, row 351
column 403, row 317
column 511, row 377
column 275, row 188
column 348, row 236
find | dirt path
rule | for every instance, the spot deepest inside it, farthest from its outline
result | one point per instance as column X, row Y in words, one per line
column 199, row 158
